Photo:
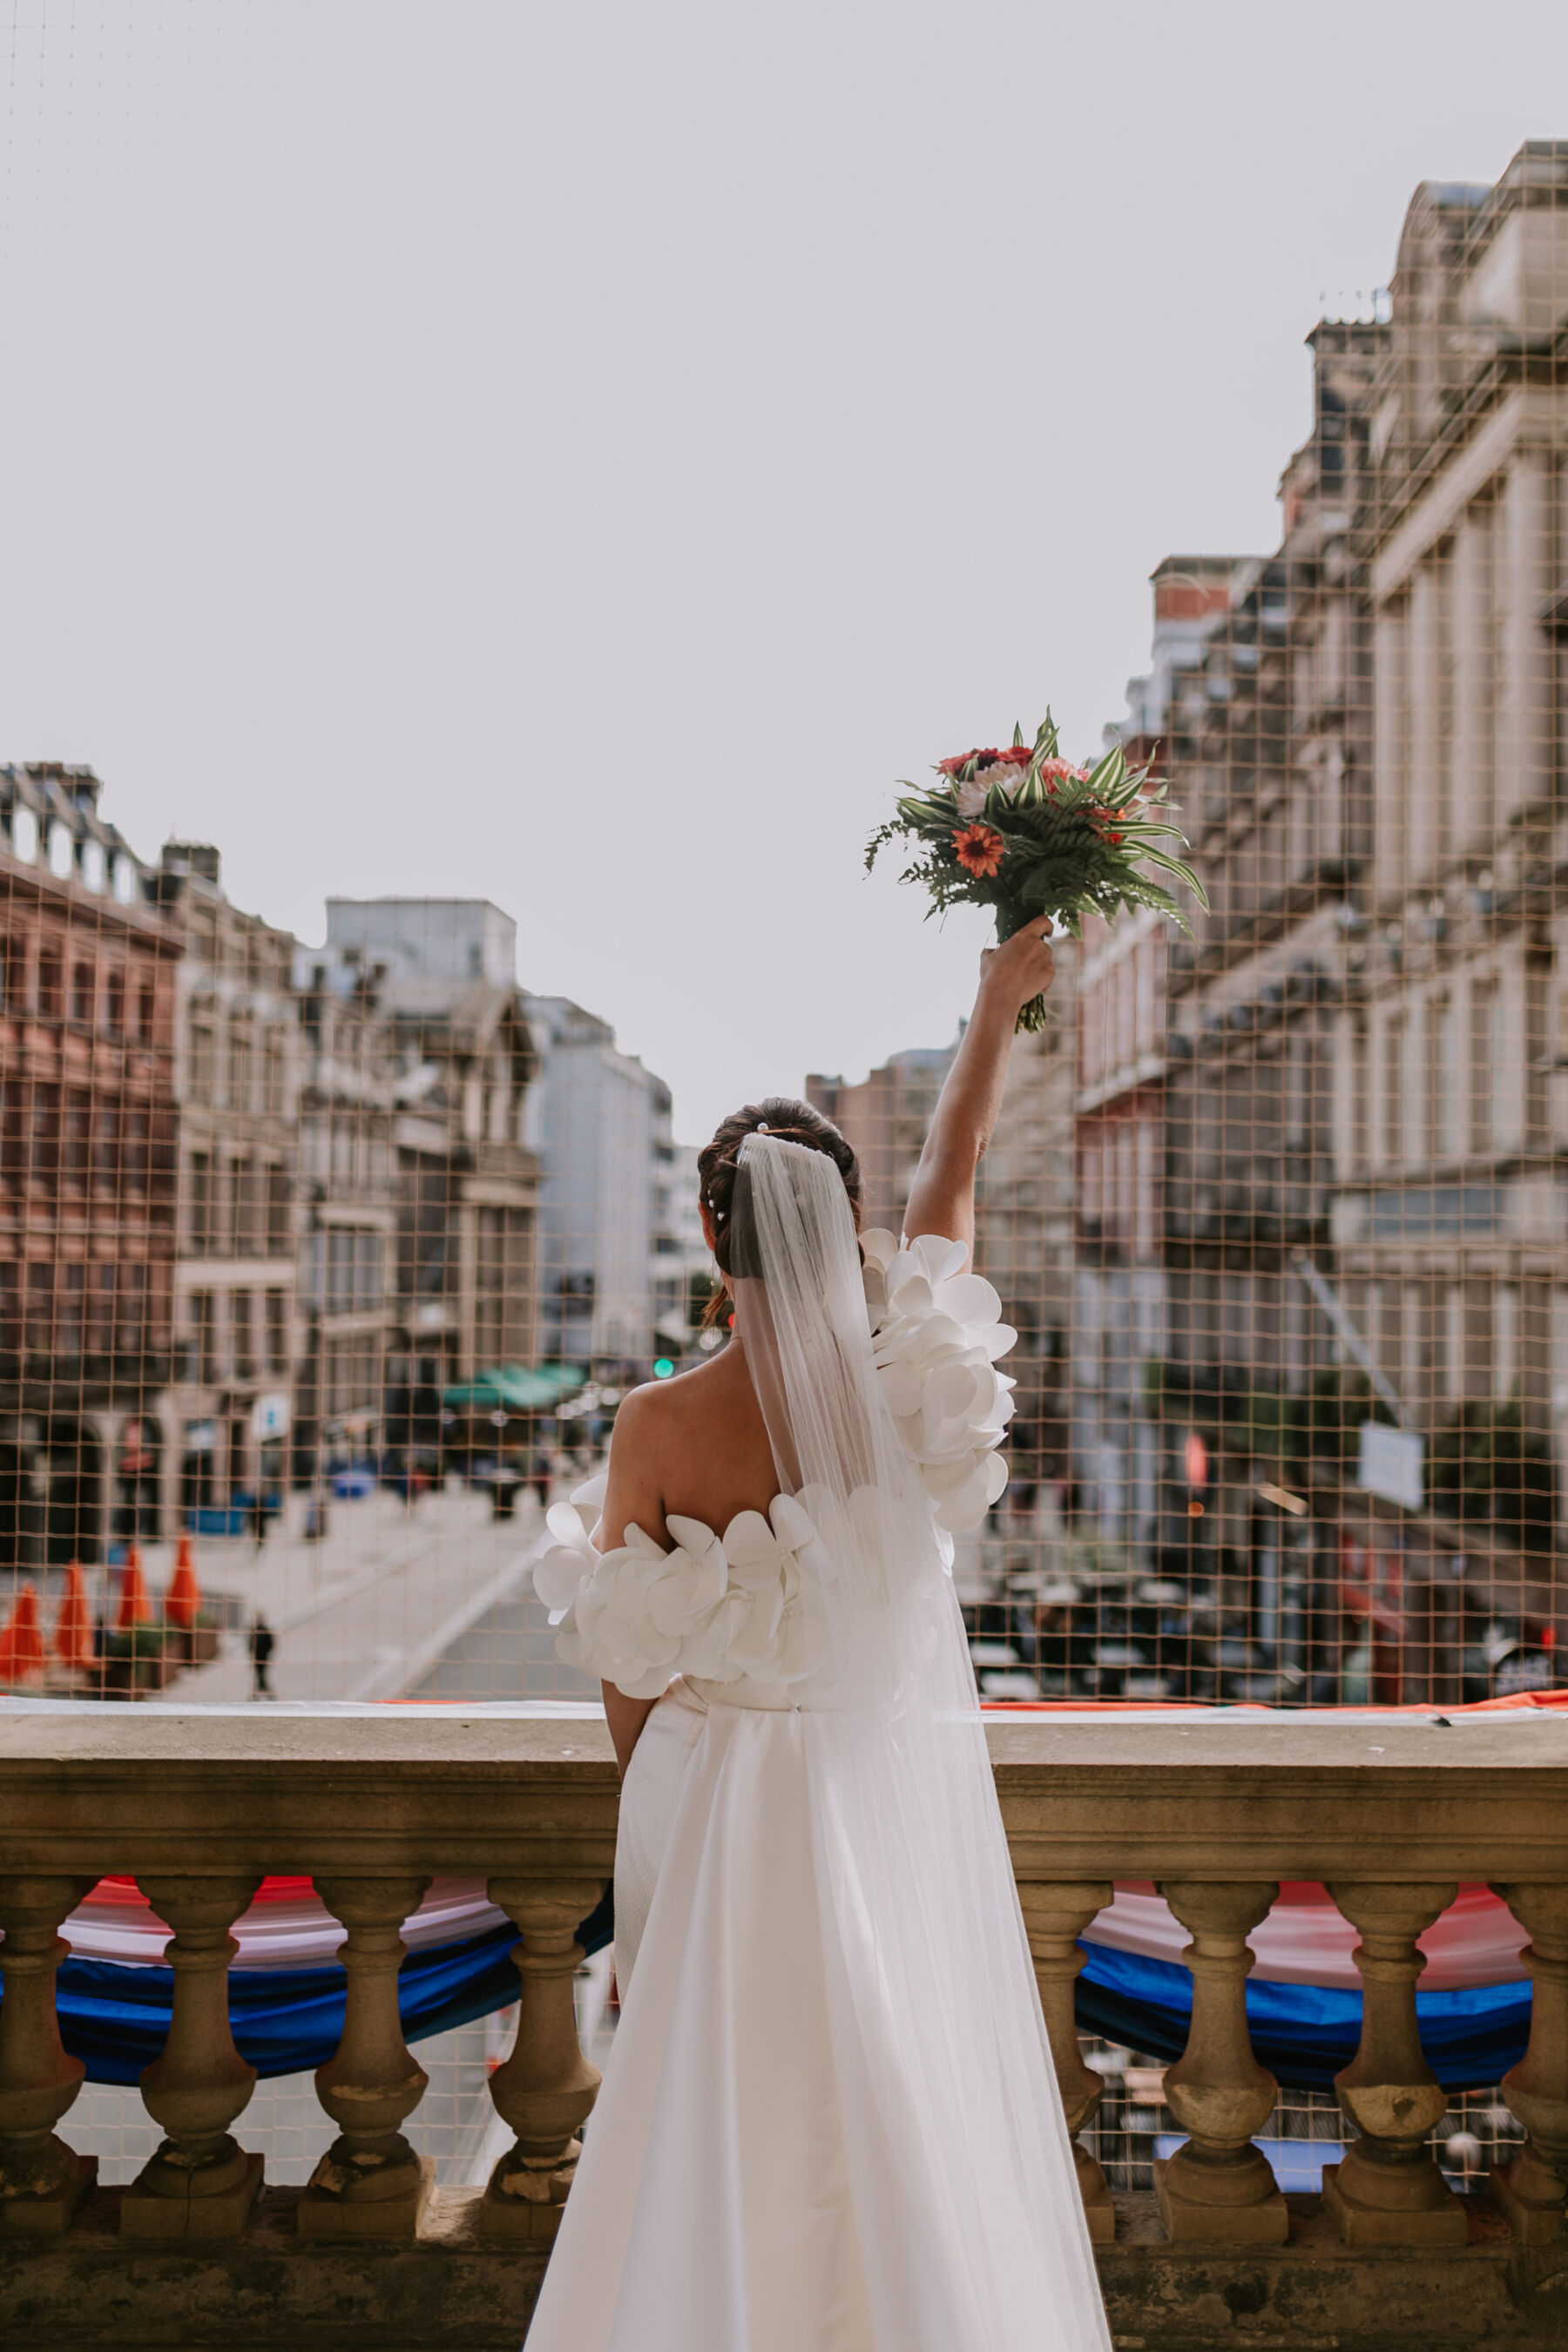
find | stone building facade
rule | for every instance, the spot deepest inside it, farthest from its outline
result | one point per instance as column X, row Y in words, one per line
column 89, row 943
column 349, row 1201
column 237, row 1085
column 468, row 1171
column 1451, row 1121
column 1274, row 780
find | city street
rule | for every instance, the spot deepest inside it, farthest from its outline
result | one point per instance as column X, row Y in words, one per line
column 392, row 1601
column 430, row 1604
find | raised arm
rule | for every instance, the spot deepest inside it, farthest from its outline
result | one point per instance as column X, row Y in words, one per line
column 942, row 1199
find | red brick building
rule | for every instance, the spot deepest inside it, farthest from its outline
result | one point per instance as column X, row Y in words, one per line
column 88, row 944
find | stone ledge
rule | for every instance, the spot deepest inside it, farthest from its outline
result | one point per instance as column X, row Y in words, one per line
column 272, row 2291
column 1316, row 2294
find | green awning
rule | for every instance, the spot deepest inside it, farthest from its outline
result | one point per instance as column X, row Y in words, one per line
column 517, row 1387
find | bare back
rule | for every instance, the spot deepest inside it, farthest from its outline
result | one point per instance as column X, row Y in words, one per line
column 696, row 1445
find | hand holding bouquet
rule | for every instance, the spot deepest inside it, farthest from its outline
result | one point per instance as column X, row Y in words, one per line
column 1025, row 832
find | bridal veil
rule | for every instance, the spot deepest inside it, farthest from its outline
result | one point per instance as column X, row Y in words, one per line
column 967, row 2204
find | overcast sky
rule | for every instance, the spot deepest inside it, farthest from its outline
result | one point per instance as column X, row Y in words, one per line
column 582, row 456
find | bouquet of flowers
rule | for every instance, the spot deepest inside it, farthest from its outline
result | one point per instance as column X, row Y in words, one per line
column 1025, row 832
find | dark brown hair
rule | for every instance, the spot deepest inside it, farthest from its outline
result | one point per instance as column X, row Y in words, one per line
column 717, row 1162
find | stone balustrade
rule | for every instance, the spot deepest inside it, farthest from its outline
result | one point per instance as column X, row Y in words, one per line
column 1392, row 1818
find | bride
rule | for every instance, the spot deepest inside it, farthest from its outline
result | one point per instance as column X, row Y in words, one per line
column 830, row 2122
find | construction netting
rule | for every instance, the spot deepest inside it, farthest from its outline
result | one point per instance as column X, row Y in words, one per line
column 326, row 1259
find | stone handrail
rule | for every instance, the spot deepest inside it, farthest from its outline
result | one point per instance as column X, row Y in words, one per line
column 1392, row 1816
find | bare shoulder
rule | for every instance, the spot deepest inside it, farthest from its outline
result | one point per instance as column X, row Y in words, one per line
column 670, row 1420
column 698, row 1443
column 638, row 1421
column 646, row 1415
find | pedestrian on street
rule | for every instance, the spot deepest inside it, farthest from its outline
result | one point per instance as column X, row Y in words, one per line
column 263, row 1641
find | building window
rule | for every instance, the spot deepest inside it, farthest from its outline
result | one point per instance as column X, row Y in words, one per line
column 40, row 1306
column 203, row 1237
column 1393, row 1090
column 1358, row 1089
column 368, row 1270
column 69, row 1300
column 1432, row 1075
column 495, row 1259
column 1483, row 1005
column 82, row 994
column 201, row 1361
column 204, row 1061
column 278, row 1203
column 106, row 1145
column 275, row 1067
column 278, row 1330
column 241, row 1308
column 100, row 1310
column 241, row 1064
column 43, row 1154
column 339, row 1271
column 137, row 1150
column 131, row 1326
column 115, row 1003
column 10, row 1306
column 76, row 1141
column 52, row 984
column 244, row 1238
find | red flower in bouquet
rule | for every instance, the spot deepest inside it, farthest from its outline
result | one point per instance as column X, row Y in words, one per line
column 978, row 850
column 1061, row 841
column 1016, row 755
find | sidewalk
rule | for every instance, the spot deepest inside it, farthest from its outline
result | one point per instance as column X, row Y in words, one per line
column 363, row 1614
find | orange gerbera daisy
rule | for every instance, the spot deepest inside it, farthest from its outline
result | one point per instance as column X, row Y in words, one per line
column 980, row 851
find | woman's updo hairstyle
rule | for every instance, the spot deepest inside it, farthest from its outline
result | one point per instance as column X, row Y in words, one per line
column 719, row 1161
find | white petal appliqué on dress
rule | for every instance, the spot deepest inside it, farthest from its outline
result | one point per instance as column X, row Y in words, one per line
column 739, row 1605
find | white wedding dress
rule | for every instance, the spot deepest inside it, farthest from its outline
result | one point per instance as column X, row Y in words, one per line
column 829, row 2122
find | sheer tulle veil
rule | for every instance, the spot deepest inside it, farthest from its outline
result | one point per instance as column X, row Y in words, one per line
column 967, row 2204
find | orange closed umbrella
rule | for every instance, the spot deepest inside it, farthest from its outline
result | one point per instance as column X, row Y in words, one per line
column 182, row 1600
column 22, row 1640
column 73, row 1626
column 135, row 1609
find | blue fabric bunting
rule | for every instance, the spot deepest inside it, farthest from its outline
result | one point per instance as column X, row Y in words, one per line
column 1302, row 2033
column 288, row 2020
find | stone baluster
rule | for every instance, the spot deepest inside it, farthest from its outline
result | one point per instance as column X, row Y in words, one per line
column 1532, row 2189
column 546, row 2088
column 1218, row 2186
column 42, row 2182
column 1388, row 2191
column 201, row 2183
column 370, row 2183
column 1055, row 1914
